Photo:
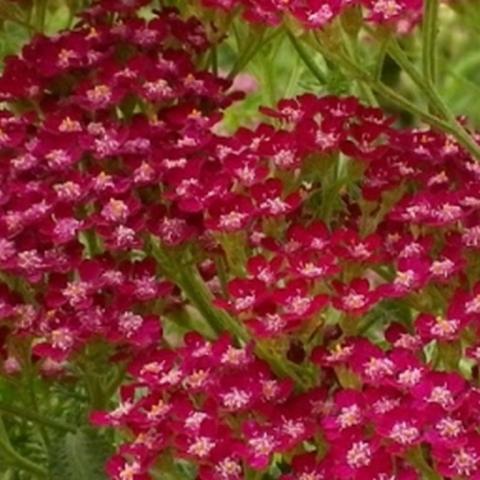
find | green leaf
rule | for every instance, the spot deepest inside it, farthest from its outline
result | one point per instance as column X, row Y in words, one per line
column 8, row 475
column 79, row 456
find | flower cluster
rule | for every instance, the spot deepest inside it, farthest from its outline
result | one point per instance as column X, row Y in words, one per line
column 316, row 269
column 275, row 249
column 190, row 398
column 111, row 116
column 314, row 14
column 218, row 406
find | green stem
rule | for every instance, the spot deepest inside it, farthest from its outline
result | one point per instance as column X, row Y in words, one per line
column 115, row 383
column 386, row 92
column 437, row 103
column 9, row 474
column 41, row 15
column 243, row 58
column 448, row 124
column 71, row 13
column 251, row 474
column 98, row 399
column 307, row 58
column 252, row 49
column 186, row 276
column 429, row 50
column 30, row 388
column 199, row 295
column 402, row 60
column 16, row 459
column 417, row 459
column 293, row 79
column 196, row 291
column 214, row 59
column 23, row 23
column 222, row 274
column 351, row 49
column 35, row 417
column 377, row 73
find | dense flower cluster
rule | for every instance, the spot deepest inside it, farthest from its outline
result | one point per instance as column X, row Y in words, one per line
column 278, row 248
column 382, row 243
column 217, row 405
column 111, row 115
column 313, row 14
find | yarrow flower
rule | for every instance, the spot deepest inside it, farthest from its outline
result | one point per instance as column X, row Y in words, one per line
column 314, row 14
column 212, row 282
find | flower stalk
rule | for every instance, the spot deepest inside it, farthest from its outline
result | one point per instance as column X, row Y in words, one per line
column 429, row 43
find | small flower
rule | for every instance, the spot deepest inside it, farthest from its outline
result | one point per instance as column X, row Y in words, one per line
column 355, row 298
column 115, row 211
column 359, row 455
column 260, row 445
column 430, row 327
column 348, row 414
column 463, row 461
column 444, row 389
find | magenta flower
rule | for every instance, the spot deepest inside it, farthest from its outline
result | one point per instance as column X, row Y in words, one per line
column 261, row 443
column 438, row 328
column 347, row 415
column 446, row 390
column 118, row 468
column 400, row 431
column 461, row 462
column 355, row 298
column 362, row 459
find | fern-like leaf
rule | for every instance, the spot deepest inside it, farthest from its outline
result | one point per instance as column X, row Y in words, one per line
column 79, row 456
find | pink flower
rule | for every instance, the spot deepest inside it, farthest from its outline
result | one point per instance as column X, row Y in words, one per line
column 347, row 416
column 118, row 468
column 412, row 274
column 362, row 459
column 439, row 328
column 296, row 302
column 351, row 247
column 355, row 298
column 246, row 294
column 400, row 430
column 244, row 82
column 446, row 390
column 261, row 443
column 313, row 266
column 462, row 462
column 233, row 214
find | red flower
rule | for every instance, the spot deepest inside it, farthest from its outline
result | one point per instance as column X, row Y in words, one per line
column 246, row 295
column 271, row 200
column 446, row 390
column 261, row 442
column 233, row 214
column 118, row 468
column 412, row 275
column 400, row 430
column 362, row 459
column 348, row 415
column 297, row 302
column 462, row 462
column 438, row 328
column 355, row 298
